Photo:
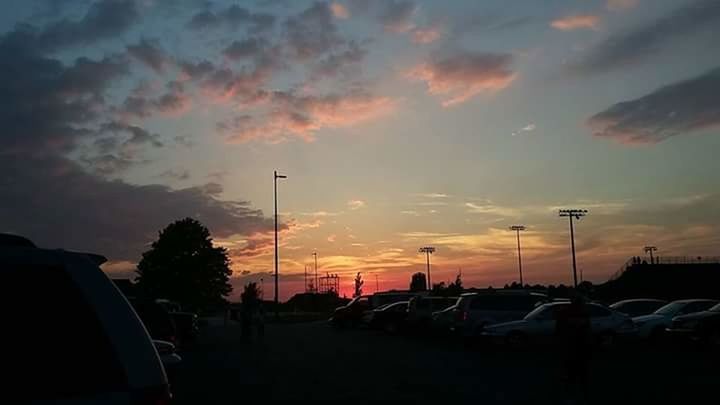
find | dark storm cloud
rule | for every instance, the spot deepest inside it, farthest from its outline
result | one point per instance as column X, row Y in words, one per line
column 104, row 19
column 636, row 45
column 151, row 54
column 49, row 105
column 336, row 62
column 672, row 110
column 248, row 48
column 396, row 15
column 174, row 101
column 57, row 204
column 138, row 135
column 175, row 174
column 233, row 17
column 312, row 32
column 52, row 110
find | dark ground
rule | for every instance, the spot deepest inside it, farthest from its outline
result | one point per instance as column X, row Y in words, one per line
column 312, row 361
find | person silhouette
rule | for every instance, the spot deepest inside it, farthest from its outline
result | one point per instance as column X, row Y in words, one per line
column 573, row 330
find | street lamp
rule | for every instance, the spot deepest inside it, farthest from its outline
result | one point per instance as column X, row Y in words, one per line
column 577, row 214
column 517, row 229
column 428, row 250
column 276, row 176
column 651, row 249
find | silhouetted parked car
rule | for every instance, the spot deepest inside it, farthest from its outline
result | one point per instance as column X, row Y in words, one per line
column 157, row 320
column 186, row 327
column 390, row 318
column 74, row 337
column 474, row 311
column 638, row 307
column 701, row 326
column 653, row 326
column 539, row 326
column 352, row 313
column 421, row 309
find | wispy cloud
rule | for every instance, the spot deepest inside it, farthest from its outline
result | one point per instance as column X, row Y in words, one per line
column 677, row 109
column 320, row 214
column 410, row 212
column 620, row 5
column 489, row 208
column 463, row 75
column 576, row 22
column 526, row 128
column 433, row 195
column 356, row 204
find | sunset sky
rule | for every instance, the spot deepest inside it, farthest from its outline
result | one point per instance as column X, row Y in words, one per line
column 398, row 123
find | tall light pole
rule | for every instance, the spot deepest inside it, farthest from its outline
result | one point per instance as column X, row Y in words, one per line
column 317, row 287
column 517, row 229
column 651, row 249
column 276, row 176
column 428, row 250
column 577, row 214
column 377, row 283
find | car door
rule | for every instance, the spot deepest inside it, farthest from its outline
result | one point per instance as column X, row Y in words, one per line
column 601, row 319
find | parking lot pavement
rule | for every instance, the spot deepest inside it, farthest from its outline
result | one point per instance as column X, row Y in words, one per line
column 312, row 361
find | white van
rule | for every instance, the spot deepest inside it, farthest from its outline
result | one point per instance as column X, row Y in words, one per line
column 71, row 336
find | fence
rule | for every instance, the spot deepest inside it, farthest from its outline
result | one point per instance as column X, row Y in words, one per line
column 665, row 260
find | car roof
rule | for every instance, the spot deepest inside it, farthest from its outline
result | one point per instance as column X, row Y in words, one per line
column 639, row 300
column 692, row 300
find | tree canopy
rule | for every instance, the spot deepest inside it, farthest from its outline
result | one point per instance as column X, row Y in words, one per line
column 184, row 266
column 358, row 285
column 418, row 282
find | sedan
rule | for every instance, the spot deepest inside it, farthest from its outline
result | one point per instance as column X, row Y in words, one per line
column 653, row 326
column 539, row 326
column 702, row 326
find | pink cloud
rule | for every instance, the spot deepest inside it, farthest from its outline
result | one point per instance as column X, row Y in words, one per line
column 620, row 5
column 302, row 116
column 576, row 22
column 425, row 35
column 462, row 76
column 339, row 10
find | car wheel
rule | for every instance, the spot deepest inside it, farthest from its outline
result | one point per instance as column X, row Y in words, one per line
column 606, row 339
column 516, row 340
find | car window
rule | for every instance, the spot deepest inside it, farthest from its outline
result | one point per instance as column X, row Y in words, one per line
column 543, row 313
column 596, row 311
column 62, row 349
column 423, row 303
column 697, row 306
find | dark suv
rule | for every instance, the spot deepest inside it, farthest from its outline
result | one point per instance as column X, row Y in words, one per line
column 474, row 311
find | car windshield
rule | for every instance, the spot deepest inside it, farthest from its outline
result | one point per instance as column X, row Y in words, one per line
column 541, row 312
column 716, row 308
column 671, row 308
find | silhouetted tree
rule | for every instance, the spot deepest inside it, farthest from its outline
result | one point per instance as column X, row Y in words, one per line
column 250, row 294
column 183, row 265
column 358, row 285
column 455, row 288
column 439, row 289
column 418, row 282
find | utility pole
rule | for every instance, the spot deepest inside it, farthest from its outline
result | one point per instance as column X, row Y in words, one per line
column 316, row 274
column 577, row 214
column 306, row 279
column 517, row 229
column 428, row 250
column 276, row 176
column 651, row 249
column 377, row 283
